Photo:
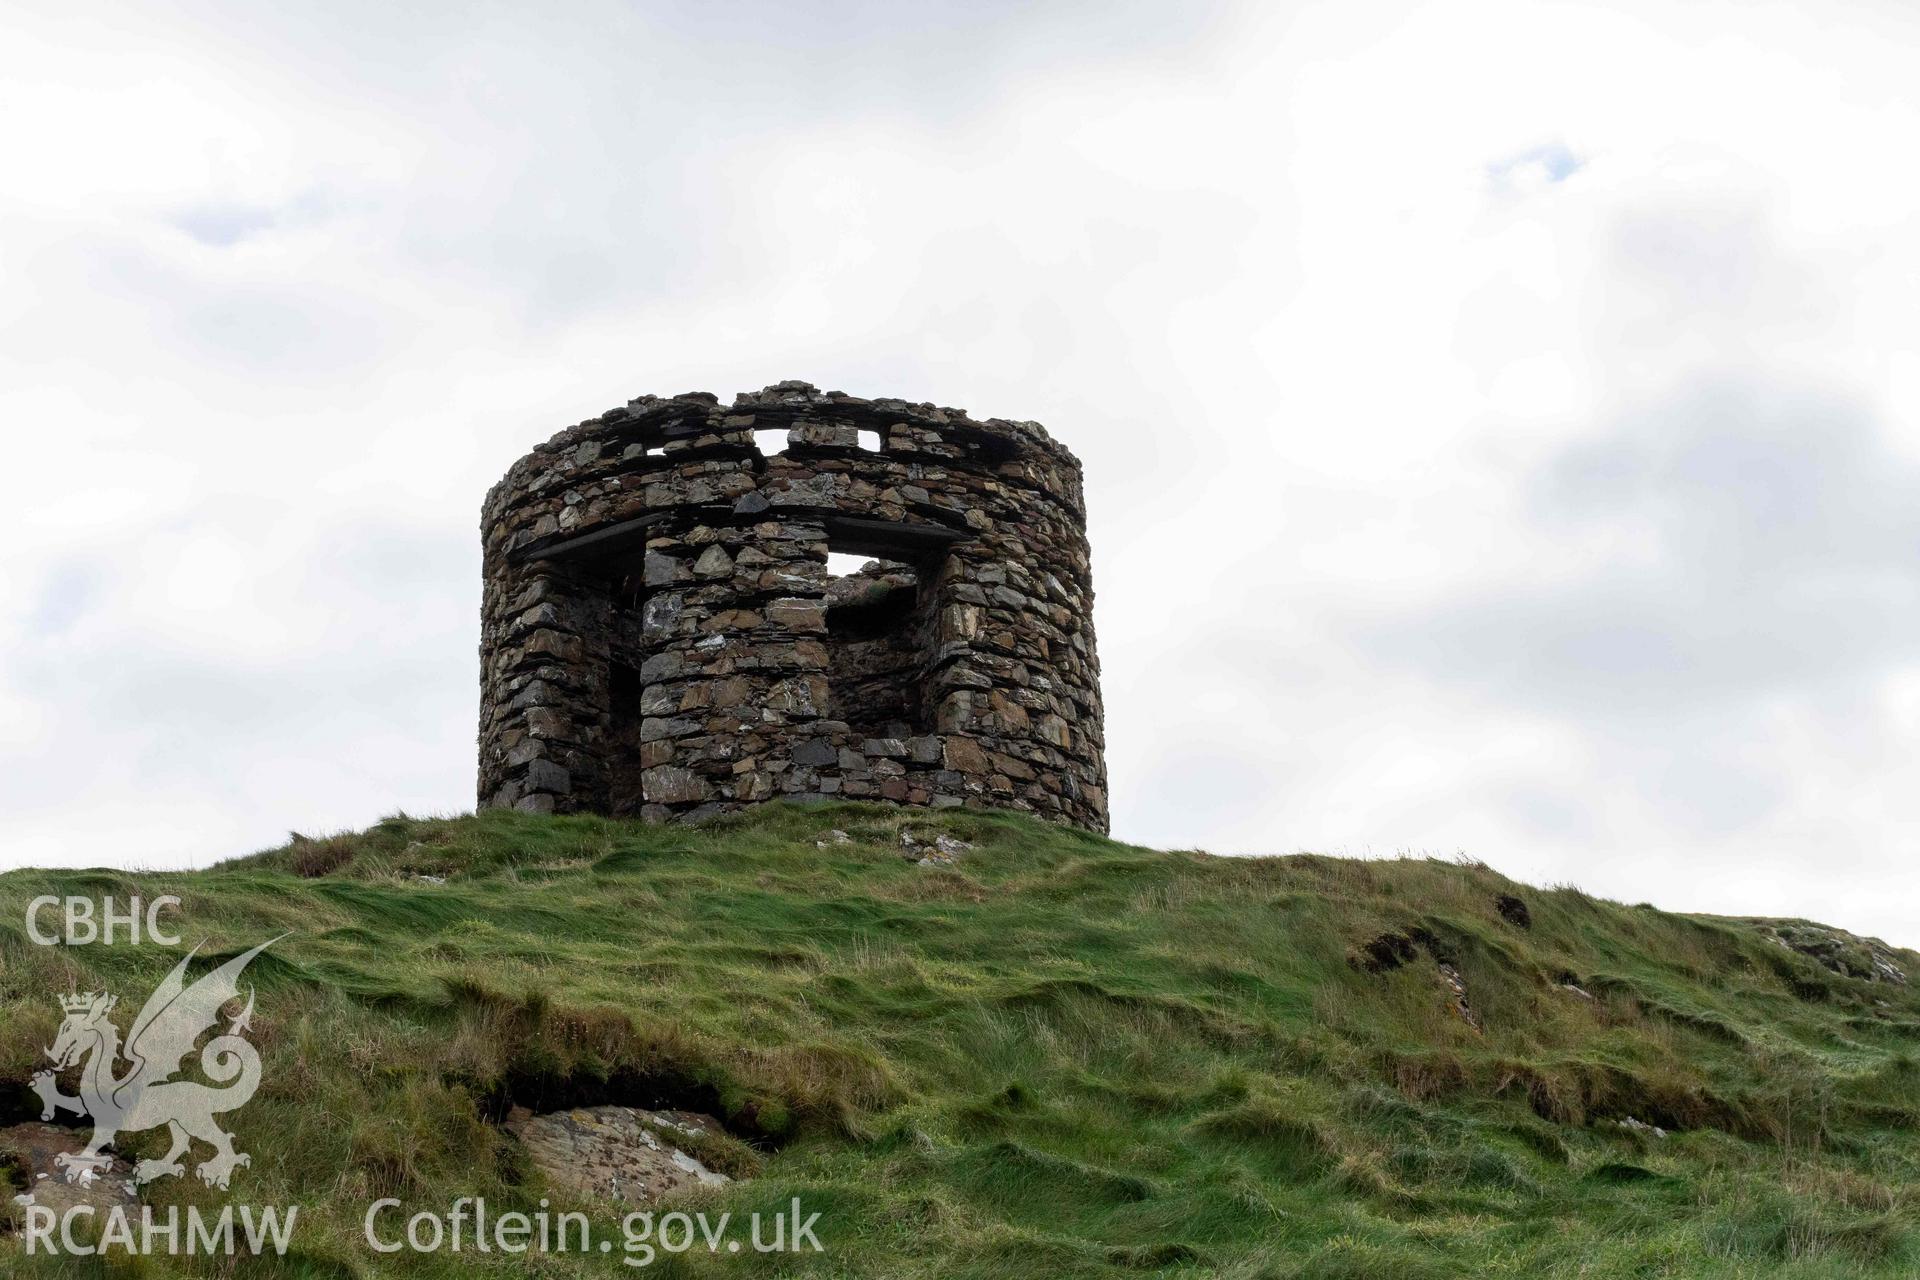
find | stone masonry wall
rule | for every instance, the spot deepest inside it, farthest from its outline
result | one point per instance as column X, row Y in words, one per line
column 662, row 637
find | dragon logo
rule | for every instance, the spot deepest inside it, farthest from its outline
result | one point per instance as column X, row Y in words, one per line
column 145, row 1095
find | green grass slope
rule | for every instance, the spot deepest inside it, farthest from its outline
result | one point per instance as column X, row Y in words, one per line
column 1061, row 1057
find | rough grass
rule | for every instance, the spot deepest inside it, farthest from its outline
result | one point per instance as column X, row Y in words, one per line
column 1062, row 1057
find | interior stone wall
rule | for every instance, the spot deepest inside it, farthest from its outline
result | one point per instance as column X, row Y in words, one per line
column 661, row 635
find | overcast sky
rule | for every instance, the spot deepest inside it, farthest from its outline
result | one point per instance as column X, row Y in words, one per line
column 1501, row 421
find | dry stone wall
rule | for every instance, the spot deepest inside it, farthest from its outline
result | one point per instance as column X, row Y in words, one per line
column 662, row 635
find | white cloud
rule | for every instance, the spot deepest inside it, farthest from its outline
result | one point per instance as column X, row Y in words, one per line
column 1428, row 362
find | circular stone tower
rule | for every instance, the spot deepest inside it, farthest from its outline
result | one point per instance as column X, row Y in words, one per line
column 664, row 633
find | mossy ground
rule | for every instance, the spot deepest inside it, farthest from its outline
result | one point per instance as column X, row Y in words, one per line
column 1062, row 1057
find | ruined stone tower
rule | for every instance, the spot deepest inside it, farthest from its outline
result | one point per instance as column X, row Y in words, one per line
column 662, row 634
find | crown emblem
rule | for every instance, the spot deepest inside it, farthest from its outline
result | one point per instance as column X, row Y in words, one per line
column 78, row 1003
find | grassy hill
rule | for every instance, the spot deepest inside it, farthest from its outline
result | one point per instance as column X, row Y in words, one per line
column 1060, row 1057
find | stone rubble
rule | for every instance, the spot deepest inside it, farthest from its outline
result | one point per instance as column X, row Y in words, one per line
column 662, row 637
column 1867, row 959
column 946, row 844
column 945, row 851
column 34, row 1148
column 1457, row 988
column 616, row 1153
